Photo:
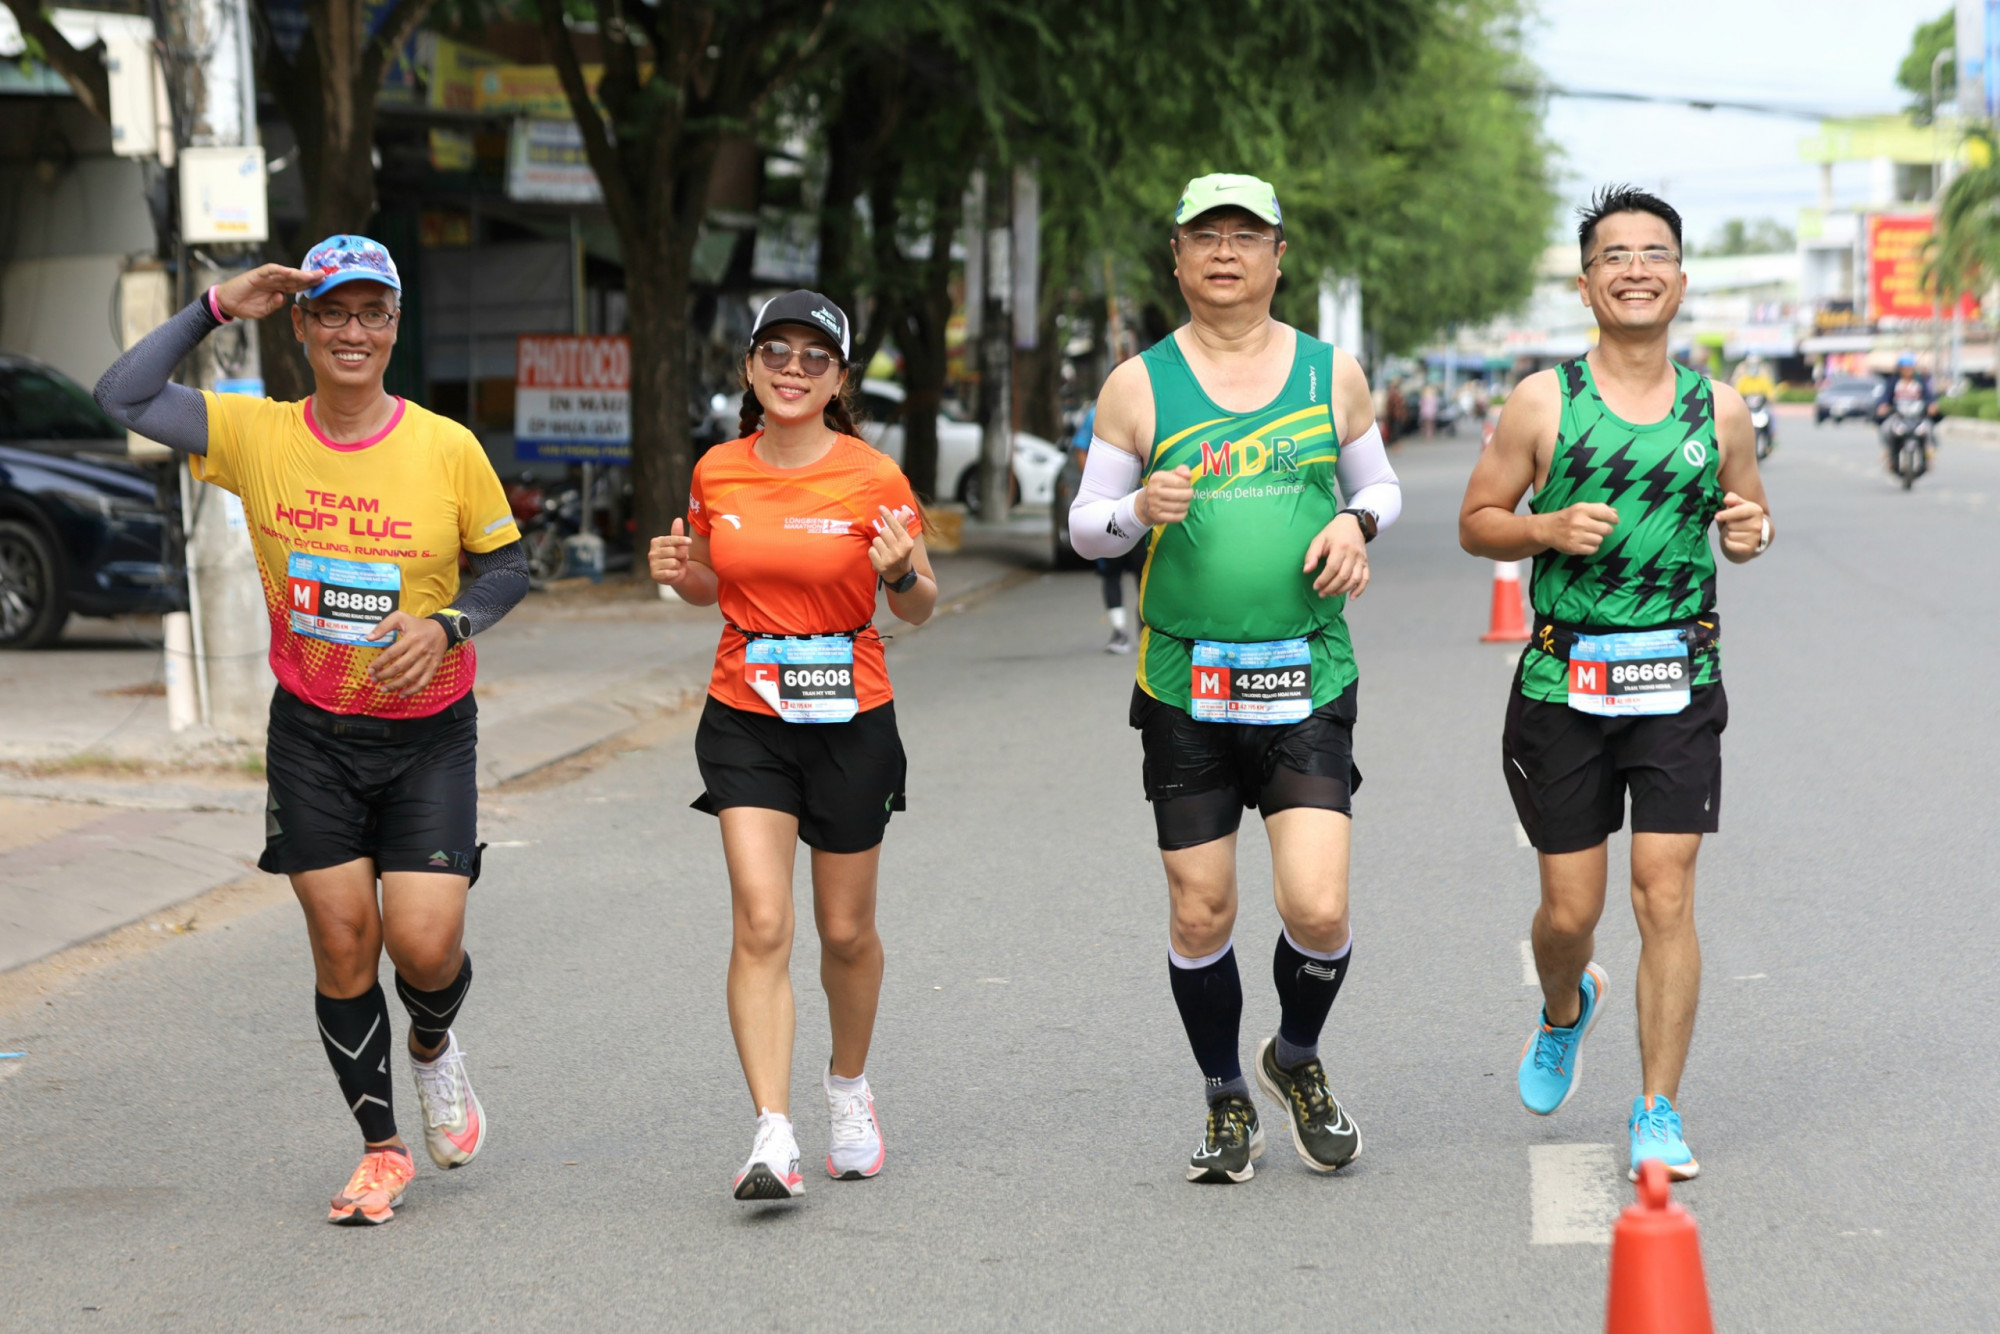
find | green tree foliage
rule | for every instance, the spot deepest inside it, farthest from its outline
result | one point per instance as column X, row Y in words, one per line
column 1763, row 236
column 1913, row 76
column 1964, row 254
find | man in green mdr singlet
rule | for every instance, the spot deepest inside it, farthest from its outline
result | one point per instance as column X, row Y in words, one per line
column 1245, row 452
column 1630, row 457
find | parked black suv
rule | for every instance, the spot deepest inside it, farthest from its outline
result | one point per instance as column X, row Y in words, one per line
column 80, row 529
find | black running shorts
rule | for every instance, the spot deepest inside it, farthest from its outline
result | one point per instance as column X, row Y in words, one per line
column 842, row 780
column 402, row 792
column 1201, row 777
column 1569, row 771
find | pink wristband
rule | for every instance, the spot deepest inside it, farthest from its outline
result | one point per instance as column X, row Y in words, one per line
column 215, row 308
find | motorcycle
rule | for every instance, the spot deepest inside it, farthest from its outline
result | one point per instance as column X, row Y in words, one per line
column 1760, row 421
column 1906, row 433
column 545, row 517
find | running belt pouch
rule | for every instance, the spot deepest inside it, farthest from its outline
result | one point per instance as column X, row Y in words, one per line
column 1556, row 638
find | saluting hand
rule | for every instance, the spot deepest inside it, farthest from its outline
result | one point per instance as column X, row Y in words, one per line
column 407, row 666
column 1580, row 529
column 667, row 557
column 264, row 290
column 1345, row 551
column 1165, row 497
column 1742, row 525
column 891, row 550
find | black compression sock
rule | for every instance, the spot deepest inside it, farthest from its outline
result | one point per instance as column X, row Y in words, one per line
column 355, row 1034
column 431, row 1012
column 1210, row 999
column 1307, row 984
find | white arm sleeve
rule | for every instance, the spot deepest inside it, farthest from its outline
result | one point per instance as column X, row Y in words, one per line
column 1366, row 480
column 1102, row 520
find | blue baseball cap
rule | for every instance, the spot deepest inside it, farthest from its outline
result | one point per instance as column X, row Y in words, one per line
column 349, row 258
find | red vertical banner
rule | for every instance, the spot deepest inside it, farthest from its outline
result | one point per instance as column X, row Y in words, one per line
column 1897, row 289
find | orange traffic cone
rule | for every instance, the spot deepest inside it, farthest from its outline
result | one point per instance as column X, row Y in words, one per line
column 1507, row 625
column 1656, row 1281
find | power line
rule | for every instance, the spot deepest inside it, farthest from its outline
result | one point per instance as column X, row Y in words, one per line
column 1786, row 110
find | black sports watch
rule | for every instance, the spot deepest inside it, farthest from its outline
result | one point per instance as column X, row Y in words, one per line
column 457, row 626
column 1367, row 520
column 905, row 584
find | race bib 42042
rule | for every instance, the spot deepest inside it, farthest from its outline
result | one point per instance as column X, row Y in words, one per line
column 804, row 680
column 341, row 600
column 1644, row 672
column 1251, row 683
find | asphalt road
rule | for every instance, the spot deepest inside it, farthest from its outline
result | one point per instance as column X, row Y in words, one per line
column 171, row 1139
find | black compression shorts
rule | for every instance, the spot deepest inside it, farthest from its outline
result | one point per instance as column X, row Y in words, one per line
column 1201, row 776
column 402, row 792
column 1569, row 771
column 842, row 780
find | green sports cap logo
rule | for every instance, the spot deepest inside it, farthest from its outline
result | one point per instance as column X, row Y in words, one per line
column 1222, row 190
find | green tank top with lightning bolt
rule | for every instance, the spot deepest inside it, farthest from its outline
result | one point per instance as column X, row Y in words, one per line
column 1656, row 568
column 1234, row 571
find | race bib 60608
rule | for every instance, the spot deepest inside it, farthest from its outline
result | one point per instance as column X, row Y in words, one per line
column 1251, row 683
column 1644, row 672
column 804, row 680
column 341, row 600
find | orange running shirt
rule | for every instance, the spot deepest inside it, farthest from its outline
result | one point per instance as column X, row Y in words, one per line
column 347, row 533
column 789, row 547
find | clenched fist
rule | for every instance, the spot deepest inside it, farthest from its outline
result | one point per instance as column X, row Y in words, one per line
column 1165, row 497
column 1580, row 529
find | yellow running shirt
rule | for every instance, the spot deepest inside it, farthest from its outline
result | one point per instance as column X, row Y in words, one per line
column 347, row 533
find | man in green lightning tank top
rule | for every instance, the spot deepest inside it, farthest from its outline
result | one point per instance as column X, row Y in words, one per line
column 1244, row 452
column 1630, row 458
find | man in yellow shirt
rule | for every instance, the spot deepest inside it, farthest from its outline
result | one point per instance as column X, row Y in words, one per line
column 359, row 505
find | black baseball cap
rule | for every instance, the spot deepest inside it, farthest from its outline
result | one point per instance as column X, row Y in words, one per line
column 809, row 308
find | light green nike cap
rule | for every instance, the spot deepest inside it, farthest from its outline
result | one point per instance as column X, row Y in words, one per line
column 1223, row 190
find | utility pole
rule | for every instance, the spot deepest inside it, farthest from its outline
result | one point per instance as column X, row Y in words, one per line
column 221, row 208
column 996, row 384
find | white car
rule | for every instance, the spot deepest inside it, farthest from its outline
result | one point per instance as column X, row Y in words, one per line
column 1036, row 461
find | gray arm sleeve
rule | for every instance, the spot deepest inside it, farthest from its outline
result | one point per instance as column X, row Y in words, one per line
column 138, row 391
column 499, row 582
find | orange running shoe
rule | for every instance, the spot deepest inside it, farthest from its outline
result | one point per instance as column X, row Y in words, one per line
column 376, row 1188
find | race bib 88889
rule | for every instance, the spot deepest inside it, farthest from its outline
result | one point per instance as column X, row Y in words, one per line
column 341, row 600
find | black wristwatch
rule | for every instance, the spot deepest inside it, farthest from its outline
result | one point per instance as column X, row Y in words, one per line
column 1367, row 520
column 905, row 584
column 457, row 626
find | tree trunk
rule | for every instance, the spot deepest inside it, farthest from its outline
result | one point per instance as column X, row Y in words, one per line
column 920, row 333
column 656, row 289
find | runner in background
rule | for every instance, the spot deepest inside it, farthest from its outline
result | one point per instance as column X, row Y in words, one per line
column 359, row 505
column 793, row 528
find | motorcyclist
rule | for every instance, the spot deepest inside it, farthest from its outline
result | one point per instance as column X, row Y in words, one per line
column 1906, row 388
column 1753, row 381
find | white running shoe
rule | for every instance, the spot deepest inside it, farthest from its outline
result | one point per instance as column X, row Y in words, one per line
column 855, row 1147
column 454, row 1122
column 773, row 1170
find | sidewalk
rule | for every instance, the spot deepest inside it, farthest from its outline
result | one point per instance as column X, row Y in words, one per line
column 106, row 816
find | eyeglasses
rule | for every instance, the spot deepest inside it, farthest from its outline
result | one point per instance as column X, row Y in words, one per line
column 1653, row 258
column 814, row 361
column 333, row 317
column 1205, row 242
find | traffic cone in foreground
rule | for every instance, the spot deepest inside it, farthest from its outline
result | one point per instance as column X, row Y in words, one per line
column 1656, row 1280
column 1507, row 625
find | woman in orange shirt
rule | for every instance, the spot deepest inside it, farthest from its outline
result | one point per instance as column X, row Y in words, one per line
column 793, row 528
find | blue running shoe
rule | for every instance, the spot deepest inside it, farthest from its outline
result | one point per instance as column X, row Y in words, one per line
column 1550, row 1061
column 1656, row 1133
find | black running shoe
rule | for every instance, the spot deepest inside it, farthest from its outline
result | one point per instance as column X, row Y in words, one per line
column 1231, row 1144
column 1327, row 1140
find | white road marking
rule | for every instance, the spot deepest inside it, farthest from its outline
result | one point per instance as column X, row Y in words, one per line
column 1521, row 836
column 513, row 843
column 1749, row 977
column 1513, row 660
column 1573, row 1188
column 1529, row 977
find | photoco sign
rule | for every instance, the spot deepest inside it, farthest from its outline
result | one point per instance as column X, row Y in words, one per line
column 573, row 398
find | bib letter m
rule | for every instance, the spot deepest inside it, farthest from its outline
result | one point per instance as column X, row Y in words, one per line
column 1586, row 678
